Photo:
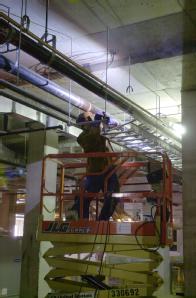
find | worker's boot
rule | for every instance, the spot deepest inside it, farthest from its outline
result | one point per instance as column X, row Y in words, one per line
column 108, row 208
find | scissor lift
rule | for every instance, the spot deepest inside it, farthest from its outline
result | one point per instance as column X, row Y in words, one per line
column 115, row 258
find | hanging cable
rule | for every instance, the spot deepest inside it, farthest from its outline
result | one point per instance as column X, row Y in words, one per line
column 25, row 19
column 106, row 70
column 25, row 7
column 70, row 90
column 105, row 245
column 94, row 243
column 69, row 103
column 158, row 111
column 46, row 20
column 104, row 249
column 153, row 220
column 46, row 35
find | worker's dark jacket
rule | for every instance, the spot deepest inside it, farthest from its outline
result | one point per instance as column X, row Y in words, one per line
column 91, row 141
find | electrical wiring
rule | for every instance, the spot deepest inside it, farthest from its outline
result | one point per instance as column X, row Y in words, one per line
column 94, row 243
column 49, row 211
column 25, row 7
column 44, row 70
column 102, row 256
column 156, row 228
column 106, row 70
column 105, row 244
column 98, row 55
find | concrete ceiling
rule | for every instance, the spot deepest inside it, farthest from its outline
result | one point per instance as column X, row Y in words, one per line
column 143, row 37
column 139, row 47
column 140, row 37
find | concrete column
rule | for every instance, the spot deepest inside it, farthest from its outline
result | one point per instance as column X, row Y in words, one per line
column 189, row 190
column 34, row 268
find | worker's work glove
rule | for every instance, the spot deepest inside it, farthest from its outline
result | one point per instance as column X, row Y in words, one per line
column 102, row 117
column 98, row 117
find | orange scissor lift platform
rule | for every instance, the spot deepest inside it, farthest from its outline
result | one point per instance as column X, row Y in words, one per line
column 115, row 258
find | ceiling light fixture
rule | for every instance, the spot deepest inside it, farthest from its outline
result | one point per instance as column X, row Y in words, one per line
column 179, row 129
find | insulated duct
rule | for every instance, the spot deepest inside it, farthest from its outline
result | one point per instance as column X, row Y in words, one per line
column 11, row 32
column 49, row 86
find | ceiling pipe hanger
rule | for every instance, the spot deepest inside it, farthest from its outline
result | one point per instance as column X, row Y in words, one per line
column 129, row 88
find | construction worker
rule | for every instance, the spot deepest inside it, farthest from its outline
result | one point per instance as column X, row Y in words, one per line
column 91, row 140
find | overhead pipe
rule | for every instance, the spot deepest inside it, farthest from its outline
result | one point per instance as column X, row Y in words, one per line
column 49, row 86
column 11, row 32
column 42, row 83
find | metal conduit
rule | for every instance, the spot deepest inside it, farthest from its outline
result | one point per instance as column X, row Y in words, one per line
column 37, row 48
column 49, row 86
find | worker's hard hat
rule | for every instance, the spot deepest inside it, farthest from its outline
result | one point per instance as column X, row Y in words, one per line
column 84, row 117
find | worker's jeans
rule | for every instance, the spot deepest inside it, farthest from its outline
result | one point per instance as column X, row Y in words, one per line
column 96, row 184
